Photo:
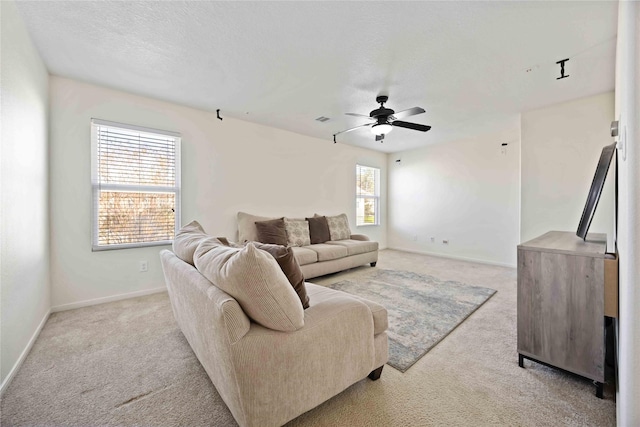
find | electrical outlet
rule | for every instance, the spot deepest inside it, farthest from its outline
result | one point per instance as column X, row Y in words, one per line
column 144, row 267
column 445, row 242
column 433, row 239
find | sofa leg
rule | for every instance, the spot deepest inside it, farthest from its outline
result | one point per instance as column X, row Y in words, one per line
column 373, row 264
column 375, row 374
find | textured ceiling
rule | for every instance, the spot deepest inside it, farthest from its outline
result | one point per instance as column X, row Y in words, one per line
column 473, row 66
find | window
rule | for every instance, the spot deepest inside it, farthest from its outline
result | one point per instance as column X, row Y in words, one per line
column 136, row 185
column 367, row 195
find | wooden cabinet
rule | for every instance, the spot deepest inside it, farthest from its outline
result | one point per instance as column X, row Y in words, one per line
column 561, row 303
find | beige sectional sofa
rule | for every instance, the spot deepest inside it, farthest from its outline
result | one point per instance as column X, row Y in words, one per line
column 268, row 376
column 322, row 258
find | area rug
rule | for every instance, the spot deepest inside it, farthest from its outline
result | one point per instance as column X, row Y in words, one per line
column 422, row 309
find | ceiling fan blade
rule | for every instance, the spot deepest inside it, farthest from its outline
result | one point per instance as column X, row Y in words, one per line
column 359, row 115
column 414, row 126
column 379, row 137
column 354, row 128
column 409, row 112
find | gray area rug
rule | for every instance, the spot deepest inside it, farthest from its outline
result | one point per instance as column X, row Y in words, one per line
column 422, row 309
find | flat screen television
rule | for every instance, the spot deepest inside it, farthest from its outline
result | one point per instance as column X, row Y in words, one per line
column 596, row 189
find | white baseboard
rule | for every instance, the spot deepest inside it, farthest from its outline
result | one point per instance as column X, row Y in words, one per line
column 440, row 255
column 23, row 356
column 96, row 301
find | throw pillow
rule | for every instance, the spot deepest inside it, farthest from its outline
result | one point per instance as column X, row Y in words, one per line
column 255, row 280
column 339, row 227
column 247, row 231
column 318, row 229
column 297, row 232
column 272, row 231
column 187, row 240
column 290, row 267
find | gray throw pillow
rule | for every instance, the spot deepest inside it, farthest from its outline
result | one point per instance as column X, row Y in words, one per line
column 247, row 231
column 318, row 229
column 272, row 231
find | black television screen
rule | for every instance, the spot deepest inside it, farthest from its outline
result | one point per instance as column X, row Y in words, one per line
column 596, row 189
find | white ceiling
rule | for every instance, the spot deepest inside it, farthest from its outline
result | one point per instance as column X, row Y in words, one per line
column 283, row 64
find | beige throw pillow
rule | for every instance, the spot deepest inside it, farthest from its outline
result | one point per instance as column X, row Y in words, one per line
column 187, row 240
column 255, row 280
column 339, row 227
column 297, row 232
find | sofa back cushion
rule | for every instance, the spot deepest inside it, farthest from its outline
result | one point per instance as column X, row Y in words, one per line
column 287, row 261
column 318, row 229
column 247, row 231
column 272, row 231
column 187, row 240
column 255, row 280
column 297, row 232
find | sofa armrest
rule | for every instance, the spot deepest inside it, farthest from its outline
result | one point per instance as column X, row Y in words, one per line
column 334, row 349
column 360, row 237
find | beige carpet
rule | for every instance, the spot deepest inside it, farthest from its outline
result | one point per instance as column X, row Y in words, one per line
column 126, row 363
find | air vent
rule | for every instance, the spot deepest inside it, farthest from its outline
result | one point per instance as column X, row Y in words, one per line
column 322, row 119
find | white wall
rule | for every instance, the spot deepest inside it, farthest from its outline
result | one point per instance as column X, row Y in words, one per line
column 227, row 166
column 627, row 109
column 24, row 227
column 466, row 192
column 561, row 145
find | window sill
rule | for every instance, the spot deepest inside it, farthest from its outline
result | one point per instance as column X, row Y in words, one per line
column 95, row 248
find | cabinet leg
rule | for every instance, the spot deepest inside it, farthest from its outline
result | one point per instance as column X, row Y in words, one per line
column 521, row 360
column 599, row 389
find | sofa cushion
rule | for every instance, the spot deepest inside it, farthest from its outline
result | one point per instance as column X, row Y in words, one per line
column 378, row 312
column 187, row 240
column 355, row 247
column 289, row 266
column 328, row 252
column 318, row 229
column 297, row 232
column 272, row 231
column 304, row 256
column 339, row 227
column 247, row 231
column 255, row 280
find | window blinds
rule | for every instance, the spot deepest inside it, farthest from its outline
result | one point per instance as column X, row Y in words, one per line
column 136, row 185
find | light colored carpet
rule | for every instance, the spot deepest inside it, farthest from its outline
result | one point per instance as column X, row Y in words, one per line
column 422, row 309
column 126, row 363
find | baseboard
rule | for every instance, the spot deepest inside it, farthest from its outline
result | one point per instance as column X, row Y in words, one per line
column 23, row 355
column 96, row 301
column 440, row 255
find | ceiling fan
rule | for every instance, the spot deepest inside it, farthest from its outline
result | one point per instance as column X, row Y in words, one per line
column 384, row 119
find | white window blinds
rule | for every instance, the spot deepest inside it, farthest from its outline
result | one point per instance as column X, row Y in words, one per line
column 136, row 185
column 367, row 195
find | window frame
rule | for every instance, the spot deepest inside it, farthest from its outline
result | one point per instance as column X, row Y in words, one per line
column 376, row 197
column 97, row 186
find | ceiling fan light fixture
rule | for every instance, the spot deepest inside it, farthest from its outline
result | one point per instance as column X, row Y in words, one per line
column 381, row 129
